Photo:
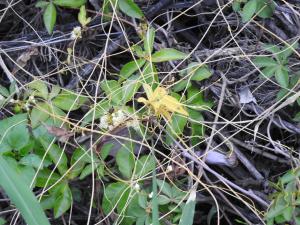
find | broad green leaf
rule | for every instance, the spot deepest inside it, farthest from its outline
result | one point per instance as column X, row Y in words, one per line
column 115, row 193
column 20, row 195
column 19, row 120
column 165, row 188
column 268, row 72
column 198, row 73
column 129, row 68
column 43, row 177
column 277, row 208
column 4, row 91
column 282, row 76
column 113, row 91
column 130, row 87
column 149, row 41
column 88, row 170
column 196, row 126
column 188, row 212
column 289, row 50
column 264, row 61
column 125, row 160
column 83, row 20
column 163, row 200
column 150, row 75
column 49, row 17
column 236, row 6
column 2, row 221
column 145, row 165
column 249, row 10
column 78, row 161
column 130, row 8
column 181, row 85
column 63, row 200
column 68, row 100
column 195, row 99
column 167, row 54
column 265, row 8
column 69, row 3
column 40, row 88
column 105, row 150
column 42, row 4
column 101, row 108
column 56, row 154
column 39, row 114
column 18, row 136
column 134, row 209
column 32, row 160
column 54, row 92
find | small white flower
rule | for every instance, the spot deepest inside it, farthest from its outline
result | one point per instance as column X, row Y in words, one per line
column 12, row 100
column 169, row 168
column 76, row 33
column 118, row 117
column 1, row 98
column 137, row 187
column 26, row 106
column 104, row 122
column 150, row 195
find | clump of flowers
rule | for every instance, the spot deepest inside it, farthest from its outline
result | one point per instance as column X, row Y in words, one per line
column 110, row 121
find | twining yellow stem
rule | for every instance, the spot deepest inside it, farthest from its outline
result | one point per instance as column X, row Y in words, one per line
column 162, row 103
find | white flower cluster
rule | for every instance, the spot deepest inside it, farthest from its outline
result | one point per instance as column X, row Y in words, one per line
column 76, row 33
column 110, row 121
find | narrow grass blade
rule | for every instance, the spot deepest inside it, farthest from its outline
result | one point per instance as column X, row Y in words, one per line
column 20, row 195
column 187, row 217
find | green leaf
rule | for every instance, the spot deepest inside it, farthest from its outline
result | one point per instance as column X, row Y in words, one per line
column 78, row 161
column 264, row 61
column 149, row 41
column 18, row 136
column 20, row 194
column 167, row 54
column 265, row 8
column 69, row 101
column 100, row 109
column 32, row 160
column 43, row 177
column 125, row 160
column 198, row 72
column 2, row 221
column 144, row 165
column 130, row 87
column 113, row 193
column 83, row 20
column 54, row 92
column 236, row 6
column 181, row 85
column 130, row 8
column 56, row 154
column 129, row 68
column 63, row 201
column 40, row 88
column 69, row 3
column 149, row 75
column 288, row 50
column 113, row 90
column 249, row 10
column 40, row 113
column 49, row 17
column 165, row 188
column 188, row 212
column 42, row 4
column 88, row 170
column 268, row 72
column 195, row 99
column 282, row 76
column 197, row 127
column 107, row 9
column 4, row 91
